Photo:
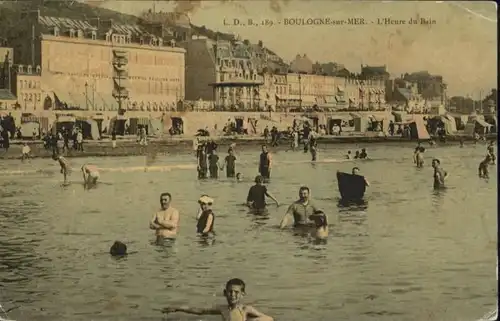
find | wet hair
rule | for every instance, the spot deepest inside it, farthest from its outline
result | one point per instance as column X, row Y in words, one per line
column 237, row 282
column 355, row 169
column 118, row 249
column 304, row 188
column 319, row 218
column 165, row 194
column 348, row 152
column 437, row 161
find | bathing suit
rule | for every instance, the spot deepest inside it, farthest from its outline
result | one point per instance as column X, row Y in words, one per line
column 202, row 223
column 264, row 165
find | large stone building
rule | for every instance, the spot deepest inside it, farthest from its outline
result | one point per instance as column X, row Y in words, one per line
column 98, row 65
column 228, row 73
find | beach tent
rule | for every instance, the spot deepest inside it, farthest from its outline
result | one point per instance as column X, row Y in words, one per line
column 90, row 129
column 66, row 121
column 117, row 124
column 155, row 127
column 28, row 128
column 418, row 130
column 450, row 125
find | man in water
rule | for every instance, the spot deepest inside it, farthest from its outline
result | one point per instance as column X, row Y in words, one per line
column 166, row 221
column 229, row 161
column 65, row 166
column 348, row 156
column 233, row 311
column 90, row 175
column 363, row 154
column 256, row 198
column 483, row 166
column 300, row 210
column 355, row 171
column 439, row 174
column 202, row 161
column 265, row 162
column 313, row 145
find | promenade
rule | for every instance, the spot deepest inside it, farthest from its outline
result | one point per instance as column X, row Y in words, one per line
column 129, row 146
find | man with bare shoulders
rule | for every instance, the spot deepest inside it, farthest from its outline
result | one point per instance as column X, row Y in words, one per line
column 65, row 166
column 90, row 175
column 166, row 221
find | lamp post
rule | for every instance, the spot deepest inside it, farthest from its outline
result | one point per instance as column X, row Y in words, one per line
column 300, row 92
column 86, row 96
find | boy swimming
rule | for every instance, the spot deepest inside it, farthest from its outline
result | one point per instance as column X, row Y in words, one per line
column 233, row 311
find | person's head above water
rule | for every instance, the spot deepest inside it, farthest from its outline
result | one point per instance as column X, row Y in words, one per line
column 357, row 152
column 259, row 179
column 348, row 152
column 239, row 176
column 205, row 202
column 304, row 193
column 234, row 291
column 363, row 150
column 264, row 148
column 118, row 249
column 165, row 199
column 355, row 170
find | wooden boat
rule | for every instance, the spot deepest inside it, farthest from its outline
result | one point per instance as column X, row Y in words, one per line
column 351, row 187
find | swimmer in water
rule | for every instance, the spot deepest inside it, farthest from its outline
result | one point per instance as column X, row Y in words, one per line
column 439, row 174
column 363, row 154
column 348, row 156
column 118, row 249
column 321, row 225
column 491, row 152
column 356, row 155
column 239, row 177
column 90, row 175
column 265, row 162
column 313, row 147
column 300, row 210
column 206, row 217
column 230, row 162
column 355, row 171
column 65, row 166
column 419, row 156
column 165, row 222
column 256, row 198
column 483, row 167
column 234, row 310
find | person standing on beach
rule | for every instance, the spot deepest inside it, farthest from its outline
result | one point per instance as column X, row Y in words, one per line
column 113, row 139
column 25, row 152
column 165, row 222
column 265, row 163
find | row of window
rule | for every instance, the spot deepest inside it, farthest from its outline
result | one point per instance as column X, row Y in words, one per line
column 30, row 97
column 156, row 88
column 28, row 84
column 240, row 75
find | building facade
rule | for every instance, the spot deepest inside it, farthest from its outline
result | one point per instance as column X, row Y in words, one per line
column 99, row 65
column 26, row 85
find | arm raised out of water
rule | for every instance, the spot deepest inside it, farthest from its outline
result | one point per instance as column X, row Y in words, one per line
column 256, row 315
column 196, row 311
column 286, row 217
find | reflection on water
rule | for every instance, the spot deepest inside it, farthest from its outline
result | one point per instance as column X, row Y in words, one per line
column 408, row 253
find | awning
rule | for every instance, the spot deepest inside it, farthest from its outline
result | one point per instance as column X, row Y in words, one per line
column 65, row 118
column 144, row 121
column 337, row 117
column 376, row 118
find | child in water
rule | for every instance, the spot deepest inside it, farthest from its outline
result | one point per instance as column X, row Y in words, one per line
column 233, row 311
column 321, row 225
column 239, row 177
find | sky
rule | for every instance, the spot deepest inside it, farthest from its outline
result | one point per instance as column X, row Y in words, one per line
column 461, row 45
